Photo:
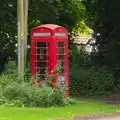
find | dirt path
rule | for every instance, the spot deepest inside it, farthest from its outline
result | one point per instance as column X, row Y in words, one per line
column 96, row 117
column 113, row 117
column 111, row 99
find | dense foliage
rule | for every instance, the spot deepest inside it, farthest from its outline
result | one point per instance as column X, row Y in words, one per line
column 15, row 94
column 104, row 19
column 96, row 73
column 91, row 81
column 69, row 13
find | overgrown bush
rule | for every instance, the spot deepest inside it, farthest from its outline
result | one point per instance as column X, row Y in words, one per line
column 13, row 93
column 91, row 81
column 30, row 96
column 9, row 75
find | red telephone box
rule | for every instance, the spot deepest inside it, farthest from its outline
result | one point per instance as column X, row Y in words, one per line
column 49, row 45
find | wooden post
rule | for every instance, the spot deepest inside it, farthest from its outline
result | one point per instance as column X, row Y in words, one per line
column 22, row 9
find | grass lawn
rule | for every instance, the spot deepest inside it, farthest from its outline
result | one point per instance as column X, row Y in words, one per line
column 85, row 107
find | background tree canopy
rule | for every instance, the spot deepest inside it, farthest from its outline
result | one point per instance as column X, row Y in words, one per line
column 68, row 13
column 100, row 15
column 104, row 19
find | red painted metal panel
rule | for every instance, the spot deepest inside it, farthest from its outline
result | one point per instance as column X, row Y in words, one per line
column 50, row 27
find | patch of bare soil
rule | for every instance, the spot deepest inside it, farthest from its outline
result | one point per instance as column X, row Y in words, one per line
column 98, row 117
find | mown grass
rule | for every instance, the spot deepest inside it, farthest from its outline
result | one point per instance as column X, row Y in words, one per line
column 84, row 107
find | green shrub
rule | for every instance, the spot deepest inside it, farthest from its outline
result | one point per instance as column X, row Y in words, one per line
column 13, row 103
column 9, row 75
column 15, row 94
column 11, row 68
column 91, row 81
column 58, row 95
column 30, row 96
column 12, row 91
column 6, row 79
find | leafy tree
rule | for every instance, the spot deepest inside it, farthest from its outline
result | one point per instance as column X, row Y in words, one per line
column 7, row 30
column 104, row 18
column 69, row 13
